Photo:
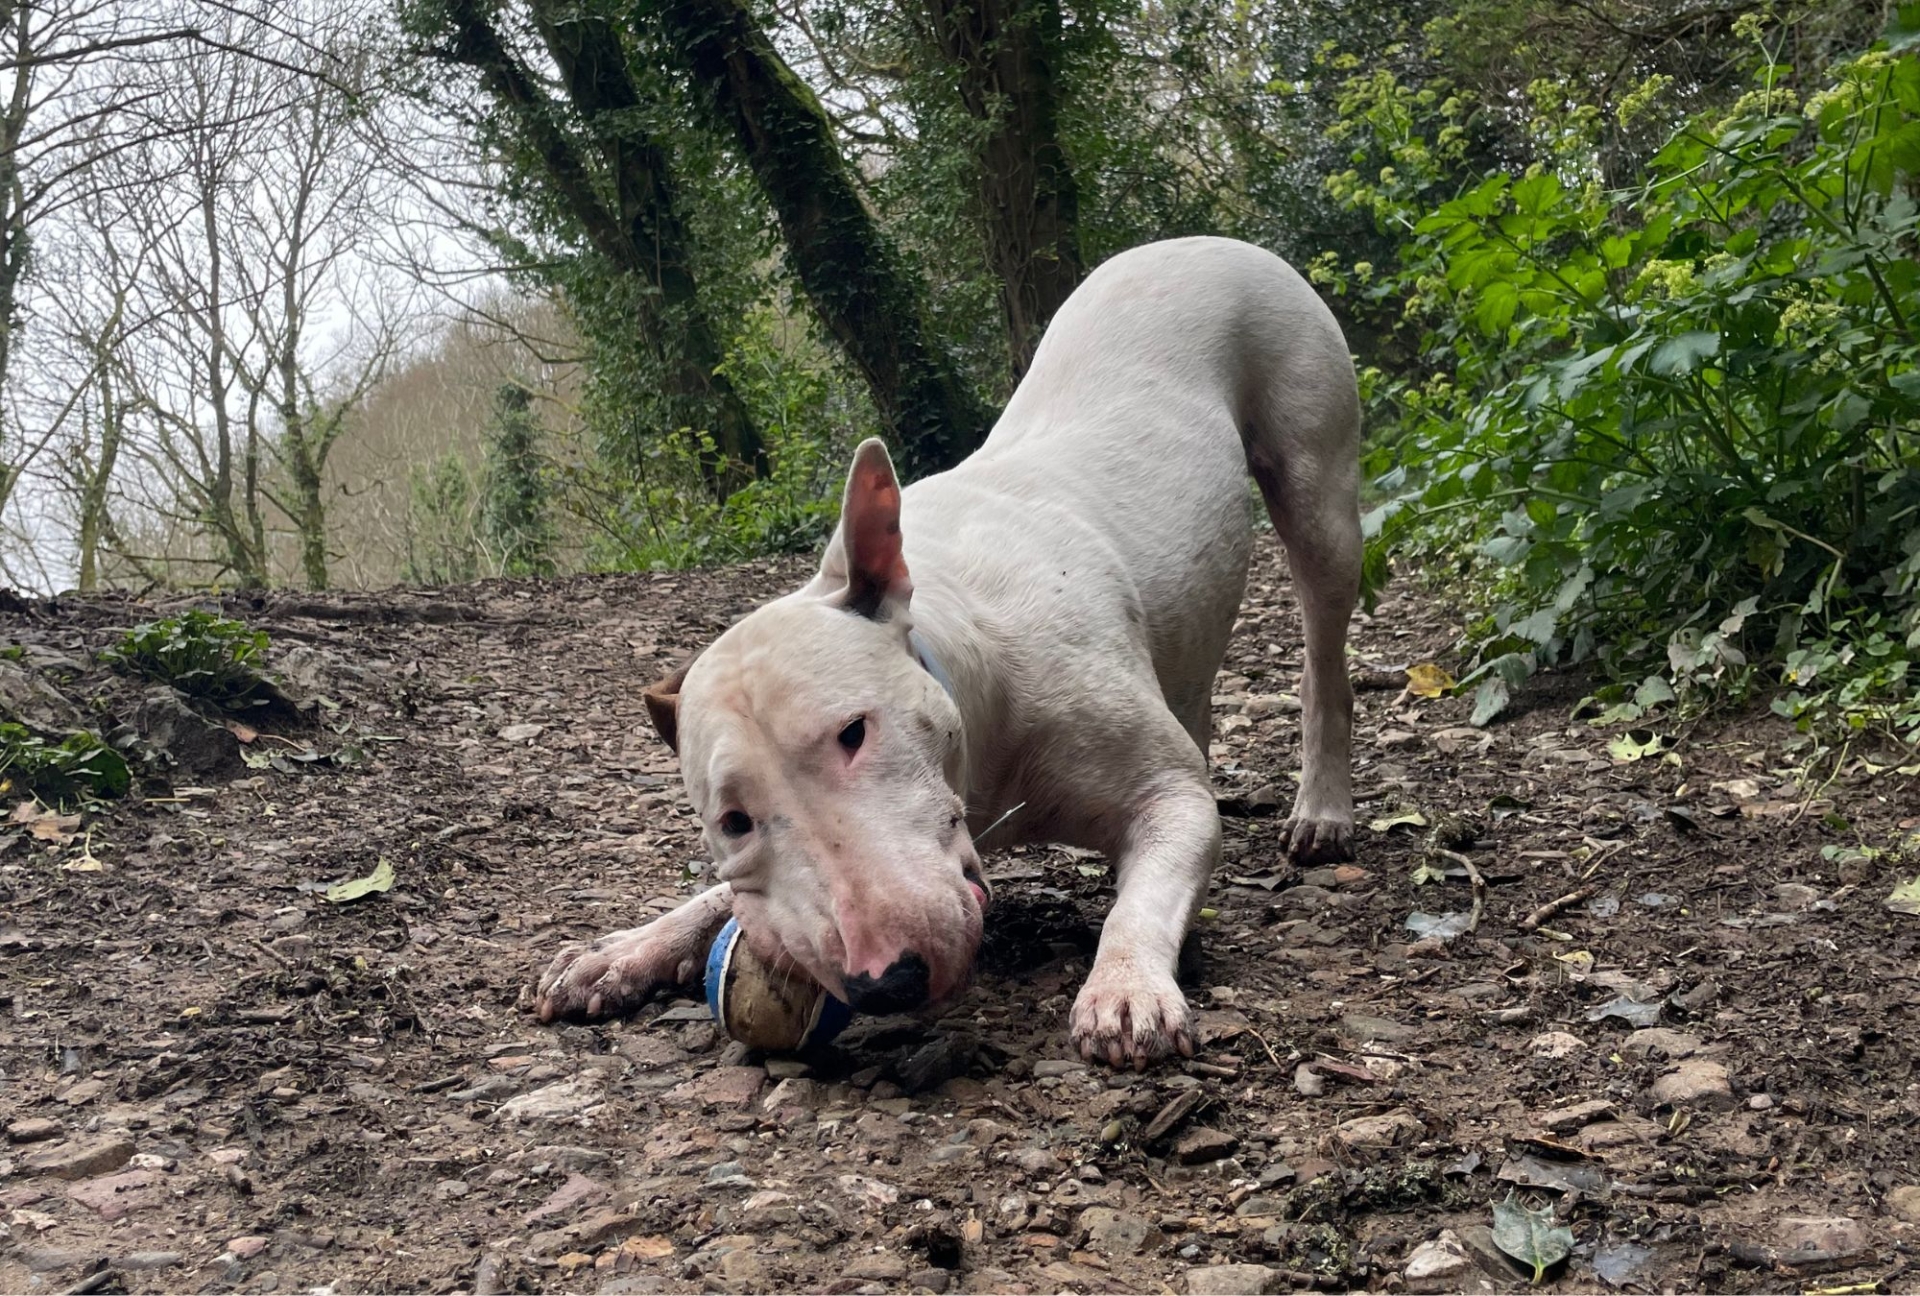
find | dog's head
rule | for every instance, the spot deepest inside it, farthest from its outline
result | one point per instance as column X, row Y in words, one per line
column 823, row 757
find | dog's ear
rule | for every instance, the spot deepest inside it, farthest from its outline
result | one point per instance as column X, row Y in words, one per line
column 663, row 705
column 867, row 551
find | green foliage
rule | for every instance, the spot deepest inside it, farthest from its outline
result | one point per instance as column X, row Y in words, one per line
column 78, row 767
column 441, row 547
column 516, row 513
column 1676, row 425
column 202, row 654
column 665, row 520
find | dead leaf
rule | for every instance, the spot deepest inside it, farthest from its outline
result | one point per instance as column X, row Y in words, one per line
column 45, row 825
column 1906, row 897
column 1428, row 680
column 381, row 879
column 1412, row 819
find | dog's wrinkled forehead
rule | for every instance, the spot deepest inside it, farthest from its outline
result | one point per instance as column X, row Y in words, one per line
column 791, row 667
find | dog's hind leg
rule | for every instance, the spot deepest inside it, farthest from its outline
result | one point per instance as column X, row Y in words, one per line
column 1309, row 475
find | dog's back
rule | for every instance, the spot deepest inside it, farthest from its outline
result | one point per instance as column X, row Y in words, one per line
column 1117, row 472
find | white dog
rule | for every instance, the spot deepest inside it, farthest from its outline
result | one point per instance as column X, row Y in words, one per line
column 1038, row 628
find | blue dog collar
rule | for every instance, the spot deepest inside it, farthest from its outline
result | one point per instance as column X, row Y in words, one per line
column 918, row 643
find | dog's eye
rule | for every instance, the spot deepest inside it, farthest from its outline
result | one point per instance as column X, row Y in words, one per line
column 854, row 734
column 736, row 823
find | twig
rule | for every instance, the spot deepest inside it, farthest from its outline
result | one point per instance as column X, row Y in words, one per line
column 1552, row 907
column 1473, row 876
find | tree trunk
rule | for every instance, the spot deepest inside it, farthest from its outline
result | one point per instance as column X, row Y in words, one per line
column 1006, row 56
column 850, row 270
column 645, row 238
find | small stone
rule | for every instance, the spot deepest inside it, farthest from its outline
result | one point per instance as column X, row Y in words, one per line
column 84, row 1092
column 1760, row 1102
column 937, row 1061
column 1057, row 1067
column 246, row 1248
column 1375, row 1133
column 879, row 1267
column 1117, row 1233
column 1904, row 1203
column 1397, row 739
column 1695, row 1083
column 1556, row 1045
column 733, row 1087
column 567, row 1100
column 1659, row 1039
column 450, row 1189
column 79, row 1158
column 1234, row 1280
column 1795, row 897
column 149, row 1259
column 1364, row 1029
column 579, row 1190
column 1836, row 1235
column 39, row 1259
column 806, row 1095
column 934, row 1280
column 1561, row 1119
column 519, row 733
column 1201, row 1145
column 787, row 1069
column 1438, row 1265
column 35, row 1129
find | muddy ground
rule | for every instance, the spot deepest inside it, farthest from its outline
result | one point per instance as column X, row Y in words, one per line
column 213, row 1079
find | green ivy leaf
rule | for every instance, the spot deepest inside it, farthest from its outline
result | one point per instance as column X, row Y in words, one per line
column 1532, row 1237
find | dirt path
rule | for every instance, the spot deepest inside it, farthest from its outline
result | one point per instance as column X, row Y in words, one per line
column 214, row 1080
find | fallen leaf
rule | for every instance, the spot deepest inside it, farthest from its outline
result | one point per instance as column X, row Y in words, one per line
column 1566, row 1177
column 1489, row 701
column 1636, row 744
column 1412, row 819
column 1906, row 897
column 1441, row 926
column 1428, row 680
column 1531, row 1236
column 48, row 826
column 381, row 879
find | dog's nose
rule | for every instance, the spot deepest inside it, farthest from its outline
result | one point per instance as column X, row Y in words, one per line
column 901, row 988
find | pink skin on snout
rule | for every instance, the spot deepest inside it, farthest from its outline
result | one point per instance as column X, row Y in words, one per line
column 820, row 755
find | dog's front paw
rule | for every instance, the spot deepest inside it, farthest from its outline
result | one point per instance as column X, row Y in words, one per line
column 1128, row 1015
column 614, row 974
column 1318, row 839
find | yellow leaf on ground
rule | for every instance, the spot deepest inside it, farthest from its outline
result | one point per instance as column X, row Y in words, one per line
column 1428, row 680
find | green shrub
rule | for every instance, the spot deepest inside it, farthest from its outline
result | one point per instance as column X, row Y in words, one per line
column 1675, row 428
column 202, row 654
column 78, row 767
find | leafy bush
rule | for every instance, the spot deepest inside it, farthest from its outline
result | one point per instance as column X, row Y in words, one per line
column 515, row 508
column 78, row 767
column 1677, row 428
column 203, row 654
column 665, row 519
column 441, row 545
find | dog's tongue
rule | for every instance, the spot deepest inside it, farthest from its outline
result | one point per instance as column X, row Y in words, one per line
column 979, row 894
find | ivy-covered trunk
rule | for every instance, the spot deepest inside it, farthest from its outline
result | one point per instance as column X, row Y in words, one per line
column 853, row 275
column 641, row 233
column 1006, row 56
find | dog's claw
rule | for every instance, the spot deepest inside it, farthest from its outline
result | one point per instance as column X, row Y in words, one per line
column 1130, row 1017
column 1313, row 840
column 610, row 976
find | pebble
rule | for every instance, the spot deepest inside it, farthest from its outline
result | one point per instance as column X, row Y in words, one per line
column 246, row 1248
column 1234, row 1280
column 1200, row 1145
column 1114, row 1232
column 449, row 1189
column 934, row 1280
column 563, row 1101
column 112, row 1196
column 1561, row 1119
column 879, row 1267
column 1695, row 1083
column 1556, row 1045
column 79, row 1158
column 84, row 1092
column 1835, row 1234
column 1374, row 1133
column 1364, row 1029
column 1904, row 1203
column 1760, row 1102
column 1437, row 1266
column 1670, row 1043
column 1058, row 1067
column 34, row 1129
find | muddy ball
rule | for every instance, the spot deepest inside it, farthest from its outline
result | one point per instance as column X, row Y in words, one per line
column 778, row 1012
